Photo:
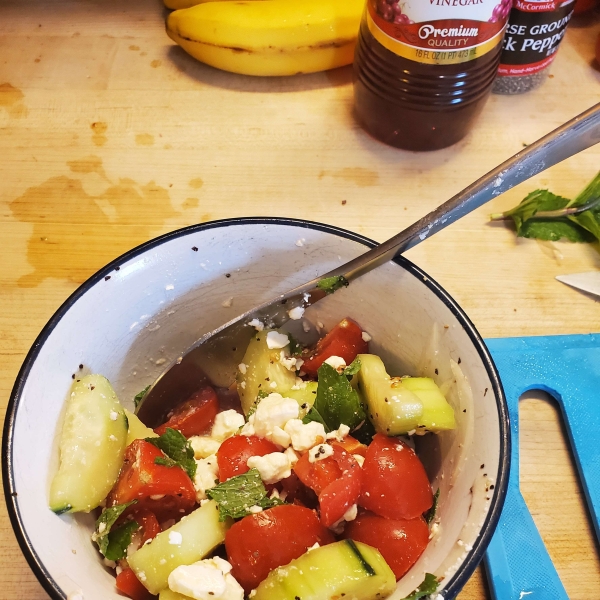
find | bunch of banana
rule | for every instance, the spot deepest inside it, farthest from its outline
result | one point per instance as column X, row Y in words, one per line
column 268, row 37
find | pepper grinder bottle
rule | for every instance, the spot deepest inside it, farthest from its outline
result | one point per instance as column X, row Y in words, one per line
column 424, row 68
column 535, row 29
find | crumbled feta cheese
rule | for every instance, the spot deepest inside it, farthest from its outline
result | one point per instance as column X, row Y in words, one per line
column 337, row 362
column 255, row 509
column 359, row 459
column 280, row 437
column 319, row 452
column 227, row 423
column 339, row 434
column 300, row 242
column 248, row 428
column 111, row 564
column 273, row 385
column 291, row 454
column 243, row 385
column 258, row 325
column 102, row 528
column 243, row 368
column 277, row 340
column 349, row 515
column 299, row 384
column 157, row 497
column 208, row 579
column 113, row 415
column 272, row 411
column 227, row 303
column 304, row 435
column 306, row 326
column 289, row 362
column 175, row 538
column 203, row 446
column 296, row 313
column 141, row 575
column 366, row 337
column 207, row 473
column 314, row 547
column 272, row 467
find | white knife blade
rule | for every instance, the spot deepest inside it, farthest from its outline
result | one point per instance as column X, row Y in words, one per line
column 586, row 282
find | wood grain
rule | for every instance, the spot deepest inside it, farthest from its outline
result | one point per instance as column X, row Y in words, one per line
column 110, row 135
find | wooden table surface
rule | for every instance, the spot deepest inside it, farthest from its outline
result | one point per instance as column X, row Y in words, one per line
column 110, row 135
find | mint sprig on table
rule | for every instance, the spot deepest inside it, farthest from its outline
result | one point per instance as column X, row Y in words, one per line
column 178, row 450
column 237, row 495
column 113, row 543
column 582, row 227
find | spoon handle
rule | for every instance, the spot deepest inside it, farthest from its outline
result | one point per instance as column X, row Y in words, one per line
column 567, row 140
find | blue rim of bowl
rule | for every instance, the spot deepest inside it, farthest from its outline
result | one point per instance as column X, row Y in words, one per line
column 473, row 558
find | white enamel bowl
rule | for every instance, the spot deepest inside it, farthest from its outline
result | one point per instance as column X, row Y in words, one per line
column 141, row 311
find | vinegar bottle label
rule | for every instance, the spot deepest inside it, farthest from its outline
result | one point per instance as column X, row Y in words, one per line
column 439, row 32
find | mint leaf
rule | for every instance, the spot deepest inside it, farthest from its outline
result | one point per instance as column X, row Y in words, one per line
column 428, row 587
column 314, row 415
column 177, row 448
column 295, row 346
column 139, row 396
column 332, row 284
column 353, row 368
column 589, row 219
column 337, row 401
column 553, row 230
column 119, row 539
column 104, row 525
column 236, row 495
column 165, row 461
column 429, row 516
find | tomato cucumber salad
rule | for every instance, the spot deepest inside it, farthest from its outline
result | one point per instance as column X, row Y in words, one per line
column 306, row 487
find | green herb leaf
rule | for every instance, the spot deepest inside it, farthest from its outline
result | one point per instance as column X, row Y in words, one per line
column 589, row 219
column 353, row 368
column 428, row 587
column 165, row 461
column 236, row 495
column 104, row 525
column 314, row 415
column 332, row 284
column 295, row 346
column 337, row 401
column 177, row 448
column 429, row 516
column 119, row 539
column 139, row 396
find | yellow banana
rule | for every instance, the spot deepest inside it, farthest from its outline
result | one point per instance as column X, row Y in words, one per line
column 177, row 4
column 269, row 37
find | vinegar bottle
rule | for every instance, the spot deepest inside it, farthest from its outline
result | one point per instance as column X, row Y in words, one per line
column 424, row 68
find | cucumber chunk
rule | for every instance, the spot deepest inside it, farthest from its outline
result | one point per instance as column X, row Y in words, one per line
column 437, row 415
column 201, row 532
column 262, row 370
column 136, row 429
column 394, row 409
column 344, row 569
column 305, row 395
column 92, row 444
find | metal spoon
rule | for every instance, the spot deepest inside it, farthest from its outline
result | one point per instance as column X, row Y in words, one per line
column 221, row 350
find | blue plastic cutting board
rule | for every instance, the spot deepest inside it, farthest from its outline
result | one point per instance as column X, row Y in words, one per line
column 568, row 368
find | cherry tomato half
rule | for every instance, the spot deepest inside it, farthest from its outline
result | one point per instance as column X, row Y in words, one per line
column 395, row 483
column 234, row 452
column 131, row 586
column 400, row 542
column 344, row 340
column 195, row 415
column 142, row 479
column 262, row 542
column 318, row 475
